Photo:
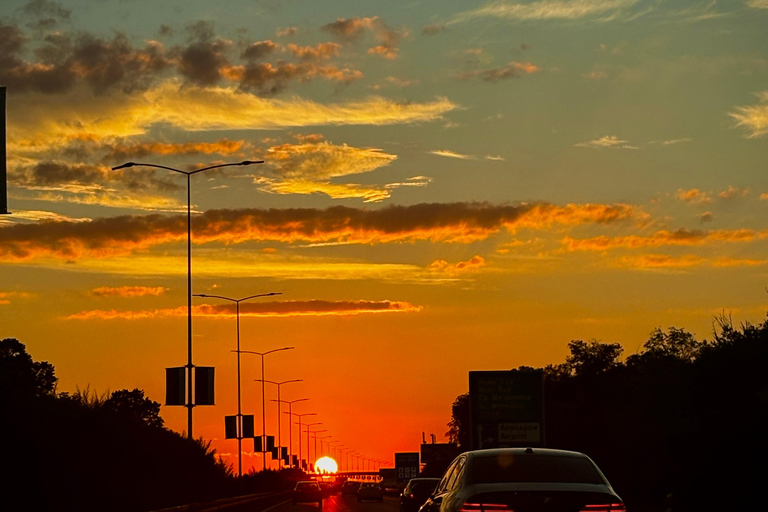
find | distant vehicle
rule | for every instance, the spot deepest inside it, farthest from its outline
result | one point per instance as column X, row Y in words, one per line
column 307, row 492
column 350, row 487
column 370, row 491
column 514, row 479
column 326, row 488
column 416, row 493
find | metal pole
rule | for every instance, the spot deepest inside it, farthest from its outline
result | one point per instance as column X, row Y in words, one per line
column 279, row 433
column 190, row 403
column 239, row 408
column 263, row 420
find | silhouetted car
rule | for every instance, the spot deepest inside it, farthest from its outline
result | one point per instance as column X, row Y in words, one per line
column 370, row 491
column 326, row 488
column 416, row 493
column 350, row 487
column 307, row 492
column 391, row 488
column 530, row 479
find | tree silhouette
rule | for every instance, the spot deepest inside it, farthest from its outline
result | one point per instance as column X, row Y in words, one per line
column 133, row 406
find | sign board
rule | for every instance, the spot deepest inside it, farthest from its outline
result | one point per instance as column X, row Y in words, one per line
column 175, row 386
column 407, row 466
column 506, row 408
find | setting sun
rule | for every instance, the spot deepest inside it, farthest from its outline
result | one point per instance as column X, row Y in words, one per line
column 326, row 465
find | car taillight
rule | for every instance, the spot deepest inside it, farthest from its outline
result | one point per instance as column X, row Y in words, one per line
column 604, row 507
column 485, row 507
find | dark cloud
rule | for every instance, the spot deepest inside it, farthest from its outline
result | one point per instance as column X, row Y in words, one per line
column 266, row 79
column 431, row 30
column 511, row 70
column 203, row 61
column 349, row 29
column 53, row 174
column 435, row 222
column 257, row 51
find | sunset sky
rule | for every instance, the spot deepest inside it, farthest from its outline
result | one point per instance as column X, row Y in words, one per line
column 448, row 186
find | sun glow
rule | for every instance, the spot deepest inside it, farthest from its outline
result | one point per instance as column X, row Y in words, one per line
column 326, row 465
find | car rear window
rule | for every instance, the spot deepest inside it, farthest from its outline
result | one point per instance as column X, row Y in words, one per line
column 306, row 487
column 533, row 468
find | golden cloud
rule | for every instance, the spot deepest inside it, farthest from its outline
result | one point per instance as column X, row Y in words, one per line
column 436, row 222
column 693, row 195
column 547, row 10
column 324, row 160
column 40, row 122
column 754, row 118
column 128, row 291
column 661, row 261
column 474, row 264
column 680, row 237
column 262, row 309
column 335, row 191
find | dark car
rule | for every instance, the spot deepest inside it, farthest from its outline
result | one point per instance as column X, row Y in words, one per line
column 307, row 492
column 326, row 488
column 515, row 479
column 350, row 487
column 370, row 491
column 416, row 493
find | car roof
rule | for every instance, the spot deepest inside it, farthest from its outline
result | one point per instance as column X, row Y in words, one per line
column 552, row 452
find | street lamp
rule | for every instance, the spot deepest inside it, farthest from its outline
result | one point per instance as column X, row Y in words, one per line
column 239, row 406
column 322, row 451
column 263, row 406
column 290, row 430
column 189, row 366
column 310, row 425
column 301, row 416
column 279, row 439
column 314, row 433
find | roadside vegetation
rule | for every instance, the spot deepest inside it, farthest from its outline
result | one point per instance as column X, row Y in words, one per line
column 681, row 425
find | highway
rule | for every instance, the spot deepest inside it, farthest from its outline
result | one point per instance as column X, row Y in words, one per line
column 335, row 503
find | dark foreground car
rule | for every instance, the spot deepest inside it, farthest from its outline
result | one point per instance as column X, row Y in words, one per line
column 416, row 493
column 307, row 492
column 523, row 479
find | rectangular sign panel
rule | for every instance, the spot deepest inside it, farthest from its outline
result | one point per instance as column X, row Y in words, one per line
column 247, row 425
column 175, row 388
column 407, row 466
column 204, row 385
column 506, row 408
column 230, row 427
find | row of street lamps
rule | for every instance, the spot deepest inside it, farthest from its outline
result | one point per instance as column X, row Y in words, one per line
column 190, row 366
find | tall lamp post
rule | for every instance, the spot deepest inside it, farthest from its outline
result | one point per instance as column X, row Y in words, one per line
column 263, row 403
column 279, row 432
column 239, row 402
column 190, row 402
column 290, row 430
column 322, row 451
column 301, row 416
column 308, row 431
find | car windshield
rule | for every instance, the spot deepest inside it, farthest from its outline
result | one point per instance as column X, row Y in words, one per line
column 533, row 468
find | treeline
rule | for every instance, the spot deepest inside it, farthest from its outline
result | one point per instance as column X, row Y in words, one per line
column 681, row 425
column 84, row 451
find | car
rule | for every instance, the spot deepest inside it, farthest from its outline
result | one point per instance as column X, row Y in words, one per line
column 416, row 493
column 326, row 488
column 391, row 488
column 370, row 491
column 523, row 479
column 350, row 487
column 307, row 491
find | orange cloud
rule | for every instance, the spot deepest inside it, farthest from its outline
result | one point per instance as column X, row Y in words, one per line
column 128, row 291
column 436, row 222
column 474, row 264
column 693, row 195
column 321, row 51
column 511, row 70
column 652, row 261
column 753, row 118
column 266, row 309
column 223, row 147
column 663, row 238
column 6, row 296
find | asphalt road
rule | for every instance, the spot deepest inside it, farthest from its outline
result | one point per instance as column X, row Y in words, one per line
column 339, row 503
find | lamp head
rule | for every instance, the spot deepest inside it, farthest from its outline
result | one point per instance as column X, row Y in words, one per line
column 124, row 166
column 250, row 162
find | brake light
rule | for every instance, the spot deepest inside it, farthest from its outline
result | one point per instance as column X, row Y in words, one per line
column 604, row 507
column 485, row 507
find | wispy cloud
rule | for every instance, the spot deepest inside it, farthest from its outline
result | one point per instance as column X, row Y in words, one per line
column 263, row 309
column 607, row 141
column 680, row 237
column 451, row 154
column 758, row 4
column 37, row 120
column 693, row 196
column 492, row 75
column 548, row 10
column 472, row 265
column 753, row 118
column 128, row 291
